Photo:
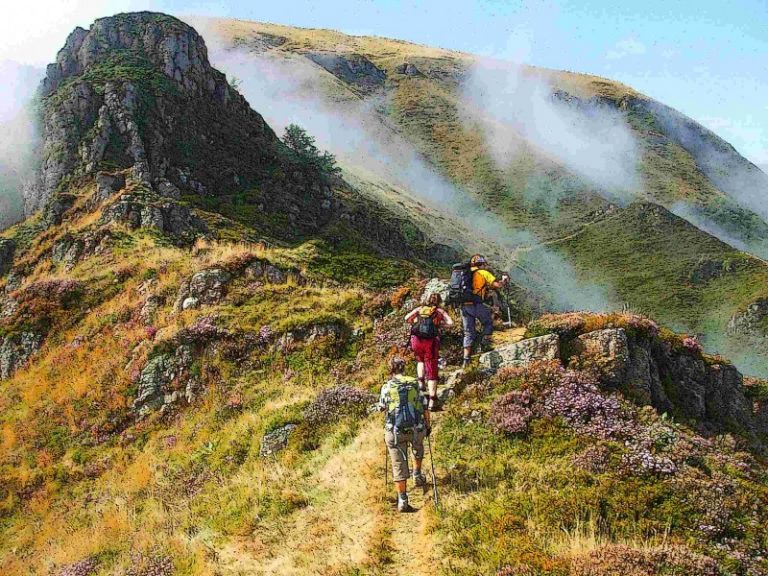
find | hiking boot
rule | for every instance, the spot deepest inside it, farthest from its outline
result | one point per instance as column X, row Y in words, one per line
column 402, row 503
column 419, row 480
column 434, row 404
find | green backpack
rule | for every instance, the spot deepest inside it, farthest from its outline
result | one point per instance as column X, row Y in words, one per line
column 405, row 412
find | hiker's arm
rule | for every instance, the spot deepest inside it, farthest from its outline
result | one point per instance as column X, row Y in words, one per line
column 411, row 315
column 446, row 318
column 500, row 283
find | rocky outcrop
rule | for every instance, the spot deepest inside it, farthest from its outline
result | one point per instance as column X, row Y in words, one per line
column 107, row 185
column 145, row 209
column 15, row 352
column 653, row 372
column 409, row 69
column 288, row 340
column 608, row 350
column 354, row 69
column 261, row 42
column 166, row 115
column 69, row 249
column 436, row 286
column 203, row 288
column 7, row 250
column 160, row 376
column 542, row 348
column 753, row 321
column 276, row 441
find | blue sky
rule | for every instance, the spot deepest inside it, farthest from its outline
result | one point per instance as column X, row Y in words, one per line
column 706, row 58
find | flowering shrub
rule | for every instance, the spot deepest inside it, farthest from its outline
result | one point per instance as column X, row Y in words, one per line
column 639, row 460
column 619, row 559
column 577, row 400
column 266, row 335
column 692, row 344
column 151, row 332
column 84, row 567
column 517, row 570
column 150, row 566
column 61, row 290
column 202, row 331
column 512, row 412
column 332, row 404
column 652, row 445
column 594, row 459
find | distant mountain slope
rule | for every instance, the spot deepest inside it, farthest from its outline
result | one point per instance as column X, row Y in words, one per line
column 542, row 194
column 189, row 364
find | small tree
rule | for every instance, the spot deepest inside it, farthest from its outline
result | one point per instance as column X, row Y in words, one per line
column 303, row 145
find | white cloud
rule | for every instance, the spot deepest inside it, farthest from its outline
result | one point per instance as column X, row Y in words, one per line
column 626, row 47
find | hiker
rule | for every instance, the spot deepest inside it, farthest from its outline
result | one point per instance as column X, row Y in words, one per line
column 473, row 307
column 425, row 322
column 406, row 423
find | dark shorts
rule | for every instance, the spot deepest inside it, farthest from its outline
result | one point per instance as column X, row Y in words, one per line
column 470, row 315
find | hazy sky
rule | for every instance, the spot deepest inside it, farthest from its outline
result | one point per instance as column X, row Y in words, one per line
column 704, row 58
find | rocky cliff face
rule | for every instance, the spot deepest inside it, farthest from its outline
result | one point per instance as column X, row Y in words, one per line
column 137, row 91
column 629, row 353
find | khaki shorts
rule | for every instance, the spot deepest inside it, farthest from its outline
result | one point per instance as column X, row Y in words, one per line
column 398, row 453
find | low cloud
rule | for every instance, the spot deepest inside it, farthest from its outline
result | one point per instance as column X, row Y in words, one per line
column 18, row 136
column 291, row 89
column 513, row 104
column 626, row 47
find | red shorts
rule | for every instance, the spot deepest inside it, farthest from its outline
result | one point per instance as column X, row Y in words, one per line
column 427, row 350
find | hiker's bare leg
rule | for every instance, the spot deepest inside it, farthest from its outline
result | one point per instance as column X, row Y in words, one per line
column 432, row 387
column 417, row 466
column 420, row 370
column 401, row 486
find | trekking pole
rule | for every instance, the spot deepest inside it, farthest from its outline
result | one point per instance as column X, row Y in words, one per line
column 386, row 467
column 434, row 478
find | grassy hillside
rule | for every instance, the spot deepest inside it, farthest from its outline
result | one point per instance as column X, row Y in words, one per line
column 91, row 485
column 536, row 192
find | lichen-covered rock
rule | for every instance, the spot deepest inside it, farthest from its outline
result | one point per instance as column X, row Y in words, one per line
column 609, row 350
column 276, row 441
column 409, row 70
column 355, row 69
column 156, row 378
column 312, row 333
column 204, row 287
column 153, row 381
column 15, row 352
column 69, row 249
column 149, row 210
column 7, row 250
column 752, row 321
column 542, row 348
column 107, row 185
column 436, row 286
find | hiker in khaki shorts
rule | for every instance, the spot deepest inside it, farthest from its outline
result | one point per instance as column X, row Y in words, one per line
column 406, row 423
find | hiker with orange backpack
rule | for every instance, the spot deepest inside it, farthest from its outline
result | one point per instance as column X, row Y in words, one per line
column 426, row 321
column 469, row 288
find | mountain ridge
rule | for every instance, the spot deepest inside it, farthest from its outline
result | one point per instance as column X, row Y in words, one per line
column 187, row 376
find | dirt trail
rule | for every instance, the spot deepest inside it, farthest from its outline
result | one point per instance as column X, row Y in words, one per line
column 352, row 523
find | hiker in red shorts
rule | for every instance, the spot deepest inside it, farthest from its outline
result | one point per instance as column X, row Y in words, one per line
column 425, row 323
